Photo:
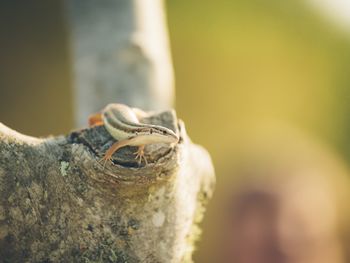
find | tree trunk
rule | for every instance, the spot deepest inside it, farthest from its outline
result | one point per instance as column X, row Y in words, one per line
column 59, row 204
column 120, row 53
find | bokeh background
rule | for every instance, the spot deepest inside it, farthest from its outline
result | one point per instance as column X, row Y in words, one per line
column 264, row 85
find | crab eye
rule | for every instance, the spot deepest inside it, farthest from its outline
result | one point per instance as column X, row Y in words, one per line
column 151, row 131
column 164, row 132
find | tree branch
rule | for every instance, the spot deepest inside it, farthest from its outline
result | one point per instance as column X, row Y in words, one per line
column 58, row 203
column 120, row 53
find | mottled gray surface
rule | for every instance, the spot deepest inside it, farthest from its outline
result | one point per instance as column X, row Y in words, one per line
column 58, row 204
column 120, row 53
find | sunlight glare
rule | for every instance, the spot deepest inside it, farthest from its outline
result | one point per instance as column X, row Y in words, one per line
column 337, row 10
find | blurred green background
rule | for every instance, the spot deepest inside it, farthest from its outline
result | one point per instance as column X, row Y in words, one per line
column 238, row 64
column 243, row 64
column 241, row 61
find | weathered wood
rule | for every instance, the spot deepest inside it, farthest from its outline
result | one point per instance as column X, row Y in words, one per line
column 120, row 53
column 59, row 204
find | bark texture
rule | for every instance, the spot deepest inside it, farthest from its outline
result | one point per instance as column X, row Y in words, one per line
column 59, row 204
column 120, row 53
